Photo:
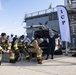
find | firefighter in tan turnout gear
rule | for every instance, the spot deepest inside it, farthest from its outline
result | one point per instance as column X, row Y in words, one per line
column 5, row 47
column 34, row 48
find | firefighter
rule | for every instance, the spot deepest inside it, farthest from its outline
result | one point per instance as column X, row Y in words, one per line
column 22, row 47
column 36, row 49
column 16, row 50
column 6, row 46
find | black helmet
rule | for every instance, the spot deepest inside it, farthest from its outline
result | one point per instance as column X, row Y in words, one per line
column 2, row 34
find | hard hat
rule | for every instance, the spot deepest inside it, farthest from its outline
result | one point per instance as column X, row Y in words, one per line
column 40, row 40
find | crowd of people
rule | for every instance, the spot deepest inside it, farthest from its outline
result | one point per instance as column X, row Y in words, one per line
column 14, row 46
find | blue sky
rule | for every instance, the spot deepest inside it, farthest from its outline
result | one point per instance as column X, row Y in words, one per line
column 12, row 13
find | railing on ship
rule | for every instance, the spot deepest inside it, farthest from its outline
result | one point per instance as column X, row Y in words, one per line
column 46, row 11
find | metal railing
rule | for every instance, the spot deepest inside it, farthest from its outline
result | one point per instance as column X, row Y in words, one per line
column 46, row 11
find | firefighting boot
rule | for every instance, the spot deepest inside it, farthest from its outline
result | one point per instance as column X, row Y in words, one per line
column 12, row 59
column 40, row 60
